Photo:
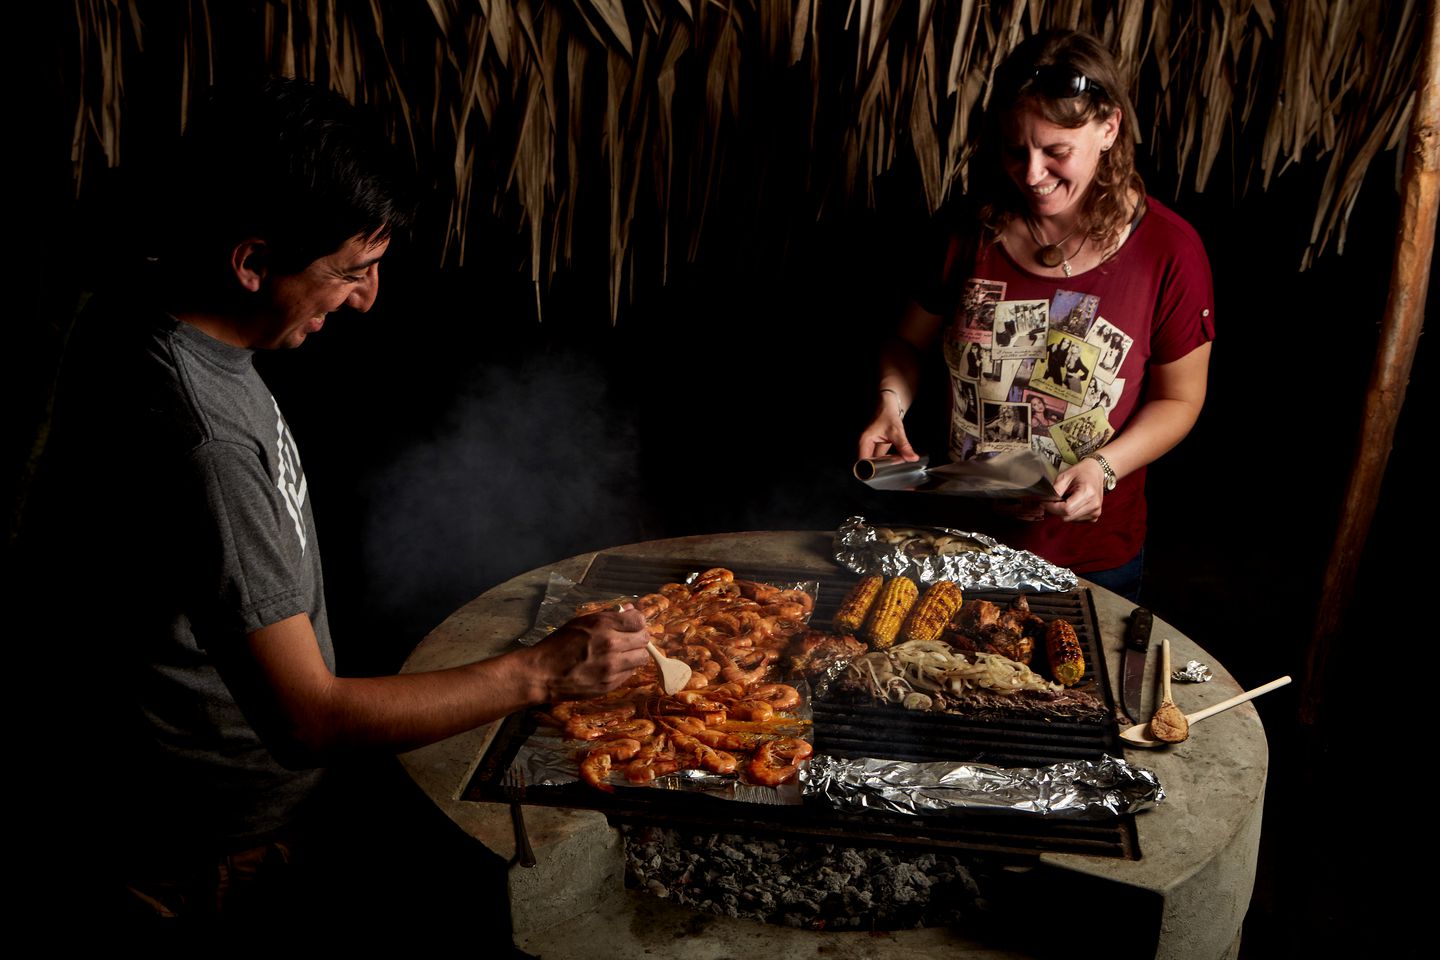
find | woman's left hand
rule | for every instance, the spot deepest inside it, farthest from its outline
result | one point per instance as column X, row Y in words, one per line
column 1082, row 492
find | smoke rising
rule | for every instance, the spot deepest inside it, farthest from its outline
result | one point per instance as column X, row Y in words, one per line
column 529, row 465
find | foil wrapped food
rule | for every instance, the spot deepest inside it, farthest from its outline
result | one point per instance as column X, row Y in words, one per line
column 928, row 554
column 1192, row 672
column 1073, row 790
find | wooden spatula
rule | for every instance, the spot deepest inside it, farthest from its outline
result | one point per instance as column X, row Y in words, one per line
column 674, row 674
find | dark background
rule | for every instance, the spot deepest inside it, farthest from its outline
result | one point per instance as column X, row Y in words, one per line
column 452, row 440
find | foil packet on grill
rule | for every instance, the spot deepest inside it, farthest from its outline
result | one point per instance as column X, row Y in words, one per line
column 928, row 554
column 1073, row 790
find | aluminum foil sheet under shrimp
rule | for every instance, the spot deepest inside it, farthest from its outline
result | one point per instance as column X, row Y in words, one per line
column 732, row 720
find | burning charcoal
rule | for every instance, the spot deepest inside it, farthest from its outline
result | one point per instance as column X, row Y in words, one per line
column 810, row 885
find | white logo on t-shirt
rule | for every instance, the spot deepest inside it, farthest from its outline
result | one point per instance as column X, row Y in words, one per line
column 292, row 479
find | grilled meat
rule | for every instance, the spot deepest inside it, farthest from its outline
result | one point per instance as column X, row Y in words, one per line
column 1008, row 642
column 974, row 615
column 816, row 652
column 987, row 627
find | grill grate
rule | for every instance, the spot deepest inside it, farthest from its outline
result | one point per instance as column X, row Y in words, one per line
column 864, row 730
column 1021, row 741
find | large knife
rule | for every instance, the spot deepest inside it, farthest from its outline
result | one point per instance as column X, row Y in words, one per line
column 1137, row 645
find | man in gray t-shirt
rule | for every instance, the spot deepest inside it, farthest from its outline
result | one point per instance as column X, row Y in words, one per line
column 193, row 503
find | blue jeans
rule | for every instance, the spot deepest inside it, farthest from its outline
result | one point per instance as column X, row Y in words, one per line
column 1124, row 579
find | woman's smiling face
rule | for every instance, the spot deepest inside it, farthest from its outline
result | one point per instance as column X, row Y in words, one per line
column 1052, row 166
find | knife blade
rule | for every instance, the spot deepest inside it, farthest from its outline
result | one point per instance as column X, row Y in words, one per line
column 1137, row 646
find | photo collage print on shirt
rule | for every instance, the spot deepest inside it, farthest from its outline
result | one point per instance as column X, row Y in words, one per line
column 1036, row 374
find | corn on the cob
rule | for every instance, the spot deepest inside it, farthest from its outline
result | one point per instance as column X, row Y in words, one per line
column 1067, row 661
column 857, row 603
column 933, row 612
column 894, row 602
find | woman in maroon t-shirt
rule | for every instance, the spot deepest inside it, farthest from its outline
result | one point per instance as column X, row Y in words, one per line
column 1126, row 289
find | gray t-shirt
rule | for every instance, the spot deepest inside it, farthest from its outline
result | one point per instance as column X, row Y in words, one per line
column 220, row 513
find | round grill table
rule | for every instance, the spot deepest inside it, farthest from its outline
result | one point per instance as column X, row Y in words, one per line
column 1186, row 896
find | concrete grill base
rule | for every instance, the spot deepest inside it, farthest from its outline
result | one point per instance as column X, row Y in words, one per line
column 1186, row 898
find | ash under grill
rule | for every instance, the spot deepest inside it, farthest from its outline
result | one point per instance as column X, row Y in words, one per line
column 863, row 730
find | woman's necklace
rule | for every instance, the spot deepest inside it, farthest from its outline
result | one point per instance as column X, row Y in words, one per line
column 1053, row 255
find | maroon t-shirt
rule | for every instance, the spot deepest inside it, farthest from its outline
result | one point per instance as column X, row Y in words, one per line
column 1069, row 356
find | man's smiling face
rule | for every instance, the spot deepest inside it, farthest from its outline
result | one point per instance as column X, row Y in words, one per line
column 299, row 302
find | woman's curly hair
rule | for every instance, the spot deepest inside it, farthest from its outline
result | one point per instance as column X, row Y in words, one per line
column 1106, row 206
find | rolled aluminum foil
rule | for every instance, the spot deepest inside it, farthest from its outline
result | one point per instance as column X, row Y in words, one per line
column 1074, row 790
column 928, row 554
column 891, row 473
column 1192, row 672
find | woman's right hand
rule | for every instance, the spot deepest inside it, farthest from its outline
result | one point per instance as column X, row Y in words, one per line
column 886, row 431
column 899, row 374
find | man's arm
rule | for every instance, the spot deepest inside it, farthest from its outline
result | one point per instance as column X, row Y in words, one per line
column 304, row 712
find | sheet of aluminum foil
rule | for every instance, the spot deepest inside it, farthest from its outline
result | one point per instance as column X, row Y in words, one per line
column 1074, row 790
column 1192, row 672
column 557, row 607
column 1017, row 473
column 548, row 760
column 563, row 595
column 927, row 554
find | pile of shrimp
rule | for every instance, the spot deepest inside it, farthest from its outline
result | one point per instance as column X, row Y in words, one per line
column 728, row 630
column 729, row 718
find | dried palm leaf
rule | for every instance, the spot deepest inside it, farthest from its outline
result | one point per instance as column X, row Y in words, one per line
column 495, row 98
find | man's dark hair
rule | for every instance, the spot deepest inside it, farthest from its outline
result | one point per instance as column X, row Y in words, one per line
column 286, row 162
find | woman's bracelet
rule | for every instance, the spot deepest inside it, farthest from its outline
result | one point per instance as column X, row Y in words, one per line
column 898, row 405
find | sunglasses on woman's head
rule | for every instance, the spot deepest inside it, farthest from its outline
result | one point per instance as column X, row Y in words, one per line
column 1061, row 83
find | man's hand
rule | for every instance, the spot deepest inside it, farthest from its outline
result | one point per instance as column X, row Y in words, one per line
column 592, row 654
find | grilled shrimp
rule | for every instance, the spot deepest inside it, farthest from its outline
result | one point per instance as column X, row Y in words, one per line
column 776, row 761
column 595, row 768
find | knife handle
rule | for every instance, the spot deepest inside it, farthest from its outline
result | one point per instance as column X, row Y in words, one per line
column 1137, row 636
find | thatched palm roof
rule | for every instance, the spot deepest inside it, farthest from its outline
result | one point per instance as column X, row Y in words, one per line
column 642, row 112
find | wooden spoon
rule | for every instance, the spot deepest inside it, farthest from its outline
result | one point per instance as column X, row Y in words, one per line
column 1168, row 724
column 1135, row 736
column 674, row 674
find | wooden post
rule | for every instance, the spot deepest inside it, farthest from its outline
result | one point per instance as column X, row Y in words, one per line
column 1399, row 334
